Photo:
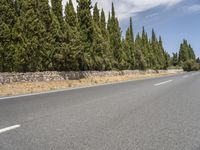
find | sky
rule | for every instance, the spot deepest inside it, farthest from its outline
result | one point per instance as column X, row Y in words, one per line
column 174, row 20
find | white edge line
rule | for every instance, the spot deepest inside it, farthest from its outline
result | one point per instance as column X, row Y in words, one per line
column 158, row 84
column 9, row 128
column 70, row 89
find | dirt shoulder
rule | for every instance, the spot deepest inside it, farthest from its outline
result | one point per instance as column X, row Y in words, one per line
column 34, row 87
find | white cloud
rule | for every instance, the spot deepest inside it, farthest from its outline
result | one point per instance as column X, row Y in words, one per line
column 127, row 8
column 193, row 8
column 152, row 15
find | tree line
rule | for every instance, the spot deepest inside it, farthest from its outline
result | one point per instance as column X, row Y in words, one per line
column 36, row 36
column 186, row 58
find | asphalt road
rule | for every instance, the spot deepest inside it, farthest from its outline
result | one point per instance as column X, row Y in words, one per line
column 153, row 114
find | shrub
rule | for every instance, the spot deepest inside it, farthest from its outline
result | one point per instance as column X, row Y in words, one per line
column 190, row 65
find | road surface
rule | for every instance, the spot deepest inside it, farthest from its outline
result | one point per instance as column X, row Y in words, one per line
column 152, row 114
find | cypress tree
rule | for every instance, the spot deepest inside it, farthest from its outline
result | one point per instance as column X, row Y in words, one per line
column 132, row 44
column 139, row 57
column 7, row 21
column 33, row 33
column 70, row 14
column 198, row 60
column 103, row 21
column 86, row 29
column 154, row 48
column 100, row 45
column 109, row 59
column 186, row 52
column 96, row 16
column 103, row 28
column 175, row 59
column 58, row 11
column 100, row 53
column 144, row 46
column 161, row 54
column 109, row 23
column 115, row 35
column 85, row 19
column 57, row 57
column 48, row 50
column 128, row 47
column 131, row 31
column 124, row 56
column 73, row 49
column 191, row 52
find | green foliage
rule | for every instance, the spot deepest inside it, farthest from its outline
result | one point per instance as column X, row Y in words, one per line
column 70, row 14
column 96, row 16
column 57, row 10
column 114, row 36
column 186, row 52
column 127, row 48
column 139, row 56
column 87, row 32
column 7, row 20
column 35, row 36
column 175, row 60
column 187, row 58
column 190, row 65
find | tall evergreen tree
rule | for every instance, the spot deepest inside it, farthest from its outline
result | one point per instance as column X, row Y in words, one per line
column 48, row 50
column 102, row 21
column 115, row 35
column 144, row 46
column 103, row 25
column 33, row 33
column 58, row 11
column 7, row 20
column 85, row 19
column 186, row 52
column 161, row 53
column 70, row 14
column 131, row 31
column 175, row 59
column 96, row 16
column 155, row 51
column 140, row 61
column 198, row 60
column 86, row 29
column 128, row 46
column 74, row 46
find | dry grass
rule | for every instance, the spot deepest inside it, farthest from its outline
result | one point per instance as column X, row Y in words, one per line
column 33, row 87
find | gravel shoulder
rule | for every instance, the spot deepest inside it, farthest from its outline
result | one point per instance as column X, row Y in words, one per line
column 33, row 87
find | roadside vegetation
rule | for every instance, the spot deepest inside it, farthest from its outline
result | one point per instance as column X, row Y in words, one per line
column 35, row 36
column 185, row 58
column 38, row 37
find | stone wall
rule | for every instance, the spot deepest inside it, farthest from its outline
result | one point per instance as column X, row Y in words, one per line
column 6, row 78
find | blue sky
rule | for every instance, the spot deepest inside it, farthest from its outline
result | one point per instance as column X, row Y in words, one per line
column 174, row 20
column 173, row 23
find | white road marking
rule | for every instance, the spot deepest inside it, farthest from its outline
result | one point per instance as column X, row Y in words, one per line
column 158, row 84
column 9, row 128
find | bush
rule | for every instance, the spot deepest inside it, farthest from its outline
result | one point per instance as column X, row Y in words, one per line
column 190, row 65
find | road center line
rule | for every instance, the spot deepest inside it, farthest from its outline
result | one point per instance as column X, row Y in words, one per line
column 9, row 128
column 158, row 84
